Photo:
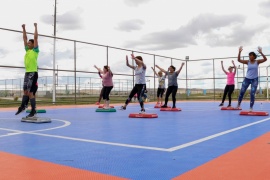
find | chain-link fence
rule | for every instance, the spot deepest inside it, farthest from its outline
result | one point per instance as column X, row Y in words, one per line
column 68, row 76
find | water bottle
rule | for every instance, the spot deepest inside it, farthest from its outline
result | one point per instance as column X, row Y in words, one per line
column 261, row 106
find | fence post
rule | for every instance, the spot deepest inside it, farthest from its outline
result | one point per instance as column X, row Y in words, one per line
column 154, row 78
column 187, row 58
column 214, row 79
column 75, row 74
column 107, row 55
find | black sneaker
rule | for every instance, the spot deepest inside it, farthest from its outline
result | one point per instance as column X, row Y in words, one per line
column 20, row 109
column 164, row 106
column 221, row 104
column 229, row 105
column 32, row 114
column 142, row 111
column 122, row 108
column 174, row 107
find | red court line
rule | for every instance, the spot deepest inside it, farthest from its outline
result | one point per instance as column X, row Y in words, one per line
column 15, row 167
column 250, row 161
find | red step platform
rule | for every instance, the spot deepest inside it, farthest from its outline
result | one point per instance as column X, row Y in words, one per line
column 254, row 113
column 159, row 106
column 230, row 108
column 101, row 106
column 170, row 109
column 146, row 115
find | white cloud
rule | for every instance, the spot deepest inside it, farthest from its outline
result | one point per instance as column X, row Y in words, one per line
column 130, row 25
column 264, row 8
column 186, row 35
column 70, row 20
column 135, row 2
column 3, row 52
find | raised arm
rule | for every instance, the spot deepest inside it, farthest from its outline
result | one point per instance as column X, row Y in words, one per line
column 139, row 62
column 24, row 35
column 161, row 69
column 127, row 63
column 264, row 57
column 179, row 70
column 155, row 71
column 239, row 56
column 35, row 36
column 223, row 68
column 99, row 70
column 234, row 67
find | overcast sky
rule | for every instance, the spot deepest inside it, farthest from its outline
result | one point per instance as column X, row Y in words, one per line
column 176, row 28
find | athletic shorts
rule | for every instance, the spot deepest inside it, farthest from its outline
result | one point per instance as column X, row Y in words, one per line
column 160, row 92
column 30, row 82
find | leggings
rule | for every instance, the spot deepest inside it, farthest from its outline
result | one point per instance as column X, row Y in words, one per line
column 160, row 92
column 228, row 90
column 245, row 85
column 171, row 90
column 106, row 92
column 101, row 94
column 139, row 89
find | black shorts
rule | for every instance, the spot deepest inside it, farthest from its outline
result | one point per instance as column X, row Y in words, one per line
column 30, row 82
column 160, row 92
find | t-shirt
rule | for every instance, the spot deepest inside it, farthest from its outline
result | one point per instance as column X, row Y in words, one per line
column 230, row 78
column 161, row 82
column 172, row 78
column 252, row 71
column 30, row 59
column 107, row 79
column 140, row 75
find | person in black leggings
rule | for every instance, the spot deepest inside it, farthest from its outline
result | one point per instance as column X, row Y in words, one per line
column 230, row 83
column 140, row 83
column 172, row 83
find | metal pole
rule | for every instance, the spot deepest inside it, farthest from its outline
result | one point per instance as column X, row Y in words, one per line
column 186, row 78
column 154, row 77
column 214, row 79
column 54, row 49
column 107, row 55
column 75, row 76
column 171, row 62
column 133, row 73
column 267, row 88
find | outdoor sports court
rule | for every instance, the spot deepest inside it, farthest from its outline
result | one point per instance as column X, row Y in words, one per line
column 200, row 142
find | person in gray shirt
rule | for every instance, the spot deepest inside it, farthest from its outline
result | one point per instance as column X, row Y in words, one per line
column 172, row 83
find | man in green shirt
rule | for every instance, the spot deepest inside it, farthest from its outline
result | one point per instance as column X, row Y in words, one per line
column 30, row 85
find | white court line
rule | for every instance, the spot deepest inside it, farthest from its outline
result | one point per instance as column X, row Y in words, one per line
column 215, row 135
column 101, row 142
column 144, row 147
column 17, row 132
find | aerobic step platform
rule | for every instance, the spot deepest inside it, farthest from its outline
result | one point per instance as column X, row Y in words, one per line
column 101, row 106
column 159, row 106
column 170, row 109
column 36, row 120
column 105, row 110
column 38, row 111
column 145, row 115
column 230, row 108
column 254, row 113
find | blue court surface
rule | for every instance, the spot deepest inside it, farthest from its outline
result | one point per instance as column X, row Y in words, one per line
column 113, row 144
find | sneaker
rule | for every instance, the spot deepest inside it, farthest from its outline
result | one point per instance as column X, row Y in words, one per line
column 251, row 109
column 32, row 114
column 173, row 107
column 229, row 106
column 164, row 106
column 97, row 103
column 221, row 104
column 122, row 108
column 20, row 109
column 142, row 111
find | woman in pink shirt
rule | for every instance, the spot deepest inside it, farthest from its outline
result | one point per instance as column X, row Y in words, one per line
column 230, row 83
column 107, row 84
